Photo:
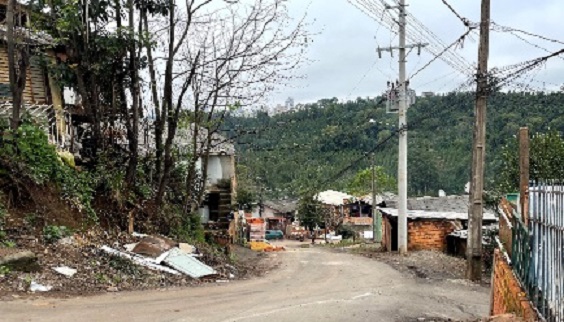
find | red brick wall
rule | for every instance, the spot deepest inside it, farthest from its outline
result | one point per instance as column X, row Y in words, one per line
column 508, row 296
column 428, row 234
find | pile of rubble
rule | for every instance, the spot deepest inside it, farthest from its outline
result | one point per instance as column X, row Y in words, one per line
column 98, row 262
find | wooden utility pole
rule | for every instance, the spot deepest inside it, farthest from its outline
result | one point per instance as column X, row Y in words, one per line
column 524, row 173
column 475, row 213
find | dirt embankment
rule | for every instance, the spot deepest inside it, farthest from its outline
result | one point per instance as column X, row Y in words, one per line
column 97, row 271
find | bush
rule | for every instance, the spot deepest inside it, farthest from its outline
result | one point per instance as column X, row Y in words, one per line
column 29, row 151
column 189, row 229
column 52, row 234
column 346, row 231
column 2, row 219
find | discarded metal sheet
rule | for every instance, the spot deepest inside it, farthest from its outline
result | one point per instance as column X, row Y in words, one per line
column 187, row 264
column 65, row 270
column 143, row 261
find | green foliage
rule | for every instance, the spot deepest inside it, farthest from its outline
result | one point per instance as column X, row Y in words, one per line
column 545, row 160
column 31, row 219
column 53, row 233
column 189, row 229
column 2, row 220
column 361, row 183
column 4, row 270
column 311, row 212
column 9, row 244
column 124, row 266
column 245, row 198
column 309, row 147
column 29, row 151
column 28, row 148
column 346, row 231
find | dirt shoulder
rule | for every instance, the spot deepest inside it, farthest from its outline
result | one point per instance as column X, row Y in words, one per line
column 426, row 265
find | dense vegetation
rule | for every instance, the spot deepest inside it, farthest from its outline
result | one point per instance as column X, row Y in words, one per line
column 309, row 148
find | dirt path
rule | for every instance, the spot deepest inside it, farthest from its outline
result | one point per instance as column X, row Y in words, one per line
column 311, row 284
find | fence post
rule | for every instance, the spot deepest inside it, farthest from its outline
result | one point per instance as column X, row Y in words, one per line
column 524, row 173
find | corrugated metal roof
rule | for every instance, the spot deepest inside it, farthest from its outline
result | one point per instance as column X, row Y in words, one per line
column 457, row 204
column 331, row 197
column 422, row 214
column 282, row 205
column 187, row 264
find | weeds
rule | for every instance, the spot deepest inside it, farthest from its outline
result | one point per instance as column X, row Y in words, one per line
column 52, row 234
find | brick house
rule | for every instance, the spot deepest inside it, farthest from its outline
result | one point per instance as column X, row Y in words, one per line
column 429, row 221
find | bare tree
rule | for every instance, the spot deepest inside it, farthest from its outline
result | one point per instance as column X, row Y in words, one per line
column 246, row 52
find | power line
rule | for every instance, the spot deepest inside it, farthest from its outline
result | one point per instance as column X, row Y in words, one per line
column 421, row 32
column 457, row 41
column 497, row 27
column 465, row 21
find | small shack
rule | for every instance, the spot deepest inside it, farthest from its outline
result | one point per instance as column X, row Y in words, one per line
column 279, row 213
column 429, row 221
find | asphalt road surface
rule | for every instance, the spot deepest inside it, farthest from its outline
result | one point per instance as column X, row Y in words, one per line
column 311, row 285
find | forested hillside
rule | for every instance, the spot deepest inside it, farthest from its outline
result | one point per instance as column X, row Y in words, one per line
column 322, row 145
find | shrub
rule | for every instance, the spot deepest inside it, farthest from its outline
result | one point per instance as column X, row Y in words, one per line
column 52, row 234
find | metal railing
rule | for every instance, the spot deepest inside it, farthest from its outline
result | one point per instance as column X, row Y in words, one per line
column 537, row 250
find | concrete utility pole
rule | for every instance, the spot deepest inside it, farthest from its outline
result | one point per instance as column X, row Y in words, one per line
column 474, row 253
column 376, row 220
column 402, row 166
column 402, row 110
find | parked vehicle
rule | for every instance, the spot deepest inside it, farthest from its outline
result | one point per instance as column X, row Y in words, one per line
column 274, row 234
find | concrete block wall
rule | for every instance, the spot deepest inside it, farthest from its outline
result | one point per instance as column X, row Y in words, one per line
column 507, row 294
column 428, row 234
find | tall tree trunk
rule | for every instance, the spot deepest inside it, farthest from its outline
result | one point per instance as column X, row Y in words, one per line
column 155, row 98
column 167, row 109
column 132, row 117
column 18, row 61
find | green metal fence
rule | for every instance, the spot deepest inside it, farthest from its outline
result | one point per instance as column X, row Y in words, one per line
column 538, row 250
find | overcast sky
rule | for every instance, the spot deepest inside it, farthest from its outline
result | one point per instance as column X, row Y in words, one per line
column 345, row 50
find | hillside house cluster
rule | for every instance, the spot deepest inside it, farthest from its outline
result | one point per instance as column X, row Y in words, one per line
column 59, row 112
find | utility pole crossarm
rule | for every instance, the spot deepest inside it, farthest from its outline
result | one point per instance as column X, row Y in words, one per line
column 418, row 45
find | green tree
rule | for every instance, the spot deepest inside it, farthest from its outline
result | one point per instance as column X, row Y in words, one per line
column 546, row 155
column 311, row 212
column 361, row 183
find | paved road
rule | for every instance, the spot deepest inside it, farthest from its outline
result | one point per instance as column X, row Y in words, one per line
column 311, row 285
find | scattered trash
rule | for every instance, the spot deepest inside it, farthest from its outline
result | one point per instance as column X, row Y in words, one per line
column 262, row 246
column 66, row 241
column 231, row 276
column 134, row 234
column 36, row 287
column 112, row 289
column 162, row 257
column 65, row 270
column 130, row 247
column 147, row 262
column 187, row 248
column 222, row 281
column 187, row 264
column 153, row 246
